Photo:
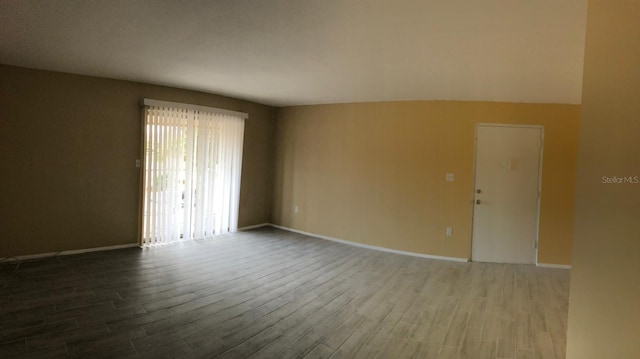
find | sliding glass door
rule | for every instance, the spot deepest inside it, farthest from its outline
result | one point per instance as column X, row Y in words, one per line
column 192, row 167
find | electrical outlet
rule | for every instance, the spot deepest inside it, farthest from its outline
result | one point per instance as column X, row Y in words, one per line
column 449, row 231
column 296, row 209
column 137, row 163
column 450, row 177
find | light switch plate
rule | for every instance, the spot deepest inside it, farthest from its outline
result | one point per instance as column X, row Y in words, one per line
column 450, row 177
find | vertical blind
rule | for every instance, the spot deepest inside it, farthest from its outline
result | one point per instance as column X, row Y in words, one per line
column 192, row 167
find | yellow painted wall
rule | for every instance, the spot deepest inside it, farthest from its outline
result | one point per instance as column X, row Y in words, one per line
column 604, row 308
column 374, row 173
column 68, row 146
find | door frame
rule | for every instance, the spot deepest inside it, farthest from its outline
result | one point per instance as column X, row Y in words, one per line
column 473, row 189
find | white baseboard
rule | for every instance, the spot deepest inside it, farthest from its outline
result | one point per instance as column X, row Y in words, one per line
column 362, row 245
column 247, row 228
column 66, row 253
column 550, row 265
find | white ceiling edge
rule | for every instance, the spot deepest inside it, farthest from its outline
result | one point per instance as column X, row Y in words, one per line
column 286, row 53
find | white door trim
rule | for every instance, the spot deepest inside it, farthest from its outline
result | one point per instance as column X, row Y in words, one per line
column 473, row 189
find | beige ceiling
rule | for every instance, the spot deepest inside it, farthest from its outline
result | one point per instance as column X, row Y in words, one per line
column 289, row 52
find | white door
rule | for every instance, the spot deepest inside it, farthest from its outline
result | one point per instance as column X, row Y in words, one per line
column 505, row 216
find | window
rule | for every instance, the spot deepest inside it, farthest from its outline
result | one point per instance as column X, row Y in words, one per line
column 192, row 167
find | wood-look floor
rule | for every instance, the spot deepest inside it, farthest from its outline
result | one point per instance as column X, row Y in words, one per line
column 274, row 294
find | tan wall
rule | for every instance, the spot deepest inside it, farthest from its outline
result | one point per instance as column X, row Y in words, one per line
column 68, row 146
column 604, row 308
column 374, row 173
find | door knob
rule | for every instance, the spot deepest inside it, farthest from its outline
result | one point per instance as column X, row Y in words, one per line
column 477, row 201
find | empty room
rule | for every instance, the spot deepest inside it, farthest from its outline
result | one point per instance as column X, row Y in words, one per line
column 320, row 179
